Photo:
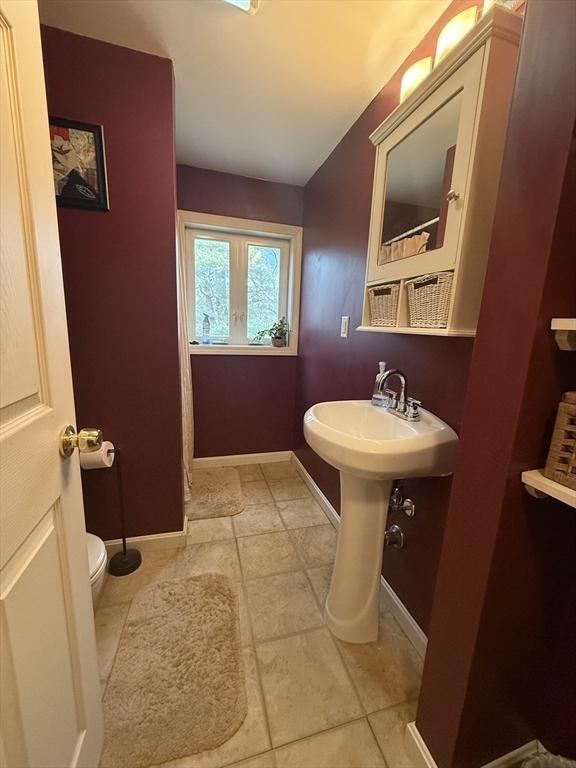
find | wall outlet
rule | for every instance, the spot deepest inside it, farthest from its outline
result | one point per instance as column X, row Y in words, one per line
column 344, row 325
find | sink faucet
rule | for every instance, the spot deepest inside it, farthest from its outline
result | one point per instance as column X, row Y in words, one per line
column 397, row 402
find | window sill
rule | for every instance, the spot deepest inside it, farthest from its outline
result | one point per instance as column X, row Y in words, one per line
column 242, row 349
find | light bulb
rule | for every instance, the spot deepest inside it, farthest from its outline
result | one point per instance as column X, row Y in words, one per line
column 414, row 76
column 454, row 31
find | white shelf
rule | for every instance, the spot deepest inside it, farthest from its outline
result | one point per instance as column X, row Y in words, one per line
column 420, row 331
column 565, row 332
column 539, row 486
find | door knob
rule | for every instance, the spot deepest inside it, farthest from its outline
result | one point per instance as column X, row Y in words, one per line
column 87, row 440
column 452, row 195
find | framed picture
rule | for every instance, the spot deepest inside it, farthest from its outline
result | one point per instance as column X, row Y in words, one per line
column 78, row 163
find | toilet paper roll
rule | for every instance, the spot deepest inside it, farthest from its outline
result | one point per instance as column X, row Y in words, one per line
column 103, row 458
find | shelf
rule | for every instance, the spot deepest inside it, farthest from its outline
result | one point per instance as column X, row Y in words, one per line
column 418, row 331
column 565, row 332
column 539, row 486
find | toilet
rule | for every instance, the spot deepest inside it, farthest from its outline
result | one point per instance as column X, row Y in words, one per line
column 97, row 559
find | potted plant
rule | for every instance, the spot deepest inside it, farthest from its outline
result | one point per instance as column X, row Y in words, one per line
column 277, row 332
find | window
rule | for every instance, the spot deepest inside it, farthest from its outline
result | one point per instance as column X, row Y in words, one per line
column 243, row 276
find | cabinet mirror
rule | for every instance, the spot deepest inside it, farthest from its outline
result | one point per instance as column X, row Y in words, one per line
column 418, row 183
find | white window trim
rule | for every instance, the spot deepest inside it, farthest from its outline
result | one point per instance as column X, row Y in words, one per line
column 251, row 228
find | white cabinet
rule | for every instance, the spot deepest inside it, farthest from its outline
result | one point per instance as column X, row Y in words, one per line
column 438, row 158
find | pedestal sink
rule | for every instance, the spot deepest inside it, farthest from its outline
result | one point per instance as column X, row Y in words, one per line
column 371, row 447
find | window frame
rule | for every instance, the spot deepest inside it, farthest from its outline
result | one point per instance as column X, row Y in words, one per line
column 193, row 224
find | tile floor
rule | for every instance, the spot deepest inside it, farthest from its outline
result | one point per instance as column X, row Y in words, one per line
column 313, row 701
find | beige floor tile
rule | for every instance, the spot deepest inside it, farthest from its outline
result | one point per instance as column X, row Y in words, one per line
column 389, row 727
column 290, row 488
column 306, row 687
column 256, row 492
column 267, row 760
column 249, row 472
column 386, row 672
column 282, row 604
column 316, row 545
column 245, row 626
column 279, row 470
column 350, row 746
column 209, row 557
column 121, row 589
column 301, row 513
column 211, row 529
column 267, row 554
column 258, row 518
column 109, row 622
column 320, row 578
column 250, row 739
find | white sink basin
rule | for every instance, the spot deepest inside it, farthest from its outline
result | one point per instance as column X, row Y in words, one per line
column 371, row 447
column 355, row 436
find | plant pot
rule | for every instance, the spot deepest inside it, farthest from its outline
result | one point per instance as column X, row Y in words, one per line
column 278, row 341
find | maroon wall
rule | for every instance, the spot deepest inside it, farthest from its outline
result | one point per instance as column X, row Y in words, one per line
column 120, row 278
column 226, row 194
column 337, row 215
column 242, row 403
column 500, row 667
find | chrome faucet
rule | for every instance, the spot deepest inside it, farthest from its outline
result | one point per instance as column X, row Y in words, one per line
column 396, row 402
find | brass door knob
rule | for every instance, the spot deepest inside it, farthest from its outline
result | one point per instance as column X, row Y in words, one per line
column 87, row 440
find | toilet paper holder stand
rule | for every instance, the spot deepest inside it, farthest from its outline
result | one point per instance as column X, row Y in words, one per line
column 127, row 560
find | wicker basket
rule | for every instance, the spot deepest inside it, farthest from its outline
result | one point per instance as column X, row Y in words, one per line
column 561, row 461
column 429, row 300
column 383, row 300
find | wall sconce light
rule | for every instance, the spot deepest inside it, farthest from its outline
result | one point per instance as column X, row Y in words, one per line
column 414, row 76
column 454, row 31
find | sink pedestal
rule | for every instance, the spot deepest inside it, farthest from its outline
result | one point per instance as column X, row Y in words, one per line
column 352, row 605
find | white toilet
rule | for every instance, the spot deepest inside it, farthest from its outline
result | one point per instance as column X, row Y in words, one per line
column 97, row 559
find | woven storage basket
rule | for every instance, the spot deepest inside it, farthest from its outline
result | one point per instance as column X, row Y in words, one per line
column 561, row 461
column 429, row 300
column 383, row 300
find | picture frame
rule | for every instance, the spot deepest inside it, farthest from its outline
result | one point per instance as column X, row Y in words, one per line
column 78, row 164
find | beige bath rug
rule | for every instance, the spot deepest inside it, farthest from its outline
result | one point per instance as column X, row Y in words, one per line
column 177, row 686
column 215, row 493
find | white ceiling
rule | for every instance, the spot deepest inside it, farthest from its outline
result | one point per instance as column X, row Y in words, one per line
column 268, row 95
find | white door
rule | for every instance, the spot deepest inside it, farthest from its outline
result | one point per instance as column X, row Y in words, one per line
column 50, row 714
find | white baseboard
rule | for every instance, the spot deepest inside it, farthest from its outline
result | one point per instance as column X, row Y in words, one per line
column 389, row 598
column 418, row 752
column 403, row 616
column 170, row 540
column 316, row 492
column 240, row 458
column 421, row 756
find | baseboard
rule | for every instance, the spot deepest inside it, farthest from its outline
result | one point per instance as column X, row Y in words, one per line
column 206, row 462
column 403, row 616
column 416, row 748
column 317, row 492
column 389, row 598
column 421, row 757
column 170, row 540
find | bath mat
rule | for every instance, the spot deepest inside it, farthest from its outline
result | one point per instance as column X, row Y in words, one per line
column 177, row 686
column 215, row 493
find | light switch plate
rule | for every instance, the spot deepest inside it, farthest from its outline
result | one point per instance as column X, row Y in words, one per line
column 344, row 325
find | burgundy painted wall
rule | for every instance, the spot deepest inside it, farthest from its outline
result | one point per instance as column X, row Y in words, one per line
column 226, row 194
column 336, row 219
column 500, row 665
column 120, row 278
column 242, row 403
